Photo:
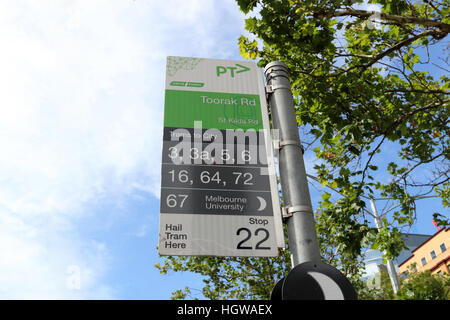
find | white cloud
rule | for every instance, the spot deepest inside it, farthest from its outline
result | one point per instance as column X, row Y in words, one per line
column 68, row 110
column 37, row 265
column 74, row 126
column 81, row 94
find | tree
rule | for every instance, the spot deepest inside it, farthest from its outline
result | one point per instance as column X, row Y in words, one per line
column 364, row 89
column 366, row 84
column 418, row 286
column 425, row 286
column 231, row 277
column 377, row 289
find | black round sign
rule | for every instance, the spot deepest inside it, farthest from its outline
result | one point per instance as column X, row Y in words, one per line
column 316, row 281
column 277, row 293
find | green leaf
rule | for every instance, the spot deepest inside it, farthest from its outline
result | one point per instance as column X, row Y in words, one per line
column 326, row 196
column 333, row 184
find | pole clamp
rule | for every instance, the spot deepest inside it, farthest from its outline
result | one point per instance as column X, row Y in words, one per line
column 278, row 145
column 289, row 211
column 270, row 88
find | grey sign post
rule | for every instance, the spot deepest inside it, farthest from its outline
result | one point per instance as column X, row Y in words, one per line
column 309, row 278
column 303, row 242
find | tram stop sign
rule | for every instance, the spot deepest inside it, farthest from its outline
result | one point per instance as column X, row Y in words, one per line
column 314, row 281
column 219, row 194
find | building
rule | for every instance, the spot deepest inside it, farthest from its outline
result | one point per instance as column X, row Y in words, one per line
column 433, row 254
column 373, row 259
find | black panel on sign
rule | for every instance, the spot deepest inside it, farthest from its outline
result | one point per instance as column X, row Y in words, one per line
column 175, row 152
column 222, row 202
column 210, row 177
column 317, row 281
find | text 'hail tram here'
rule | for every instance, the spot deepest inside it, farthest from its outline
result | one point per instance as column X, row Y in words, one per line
column 219, row 194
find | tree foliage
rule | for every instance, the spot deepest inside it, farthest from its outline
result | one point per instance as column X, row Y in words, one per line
column 371, row 92
column 231, row 277
column 425, row 286
column 378, row 288
column 418, row 286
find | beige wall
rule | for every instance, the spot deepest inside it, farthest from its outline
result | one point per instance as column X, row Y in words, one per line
column 424, row 251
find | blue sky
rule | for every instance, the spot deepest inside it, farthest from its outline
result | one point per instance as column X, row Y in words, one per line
column 81, row 89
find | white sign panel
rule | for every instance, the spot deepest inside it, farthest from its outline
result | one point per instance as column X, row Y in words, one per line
column 219, row 194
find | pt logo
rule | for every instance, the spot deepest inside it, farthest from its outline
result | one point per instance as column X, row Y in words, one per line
column 221, row 70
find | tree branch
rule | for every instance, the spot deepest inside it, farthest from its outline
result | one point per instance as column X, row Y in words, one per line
column 416, row 91
column 383, row 54
column 443, row 27
column 405, row 174
column 372, row 153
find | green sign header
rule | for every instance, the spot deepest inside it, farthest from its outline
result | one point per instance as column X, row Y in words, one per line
column 215, row 109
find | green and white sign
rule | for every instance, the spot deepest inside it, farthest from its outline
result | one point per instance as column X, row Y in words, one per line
column 219, row 193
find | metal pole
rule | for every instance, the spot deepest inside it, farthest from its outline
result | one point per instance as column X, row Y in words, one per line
column 390, row 264
column 303, row 242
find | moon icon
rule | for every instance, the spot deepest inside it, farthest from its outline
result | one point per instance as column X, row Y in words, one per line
column 329, row 287
column 262, row 203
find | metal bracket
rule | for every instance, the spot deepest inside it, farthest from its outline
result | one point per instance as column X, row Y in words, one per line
column 287, row 212
column 278, row 145
column 269, row 91
column 290, row 143
column 270, row 88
